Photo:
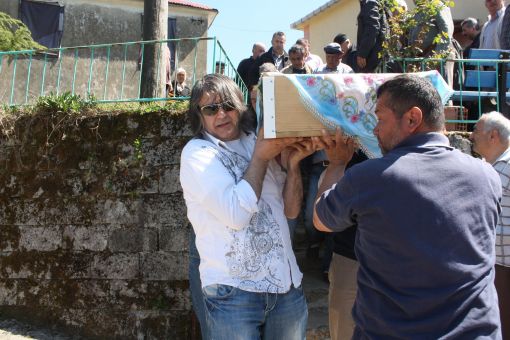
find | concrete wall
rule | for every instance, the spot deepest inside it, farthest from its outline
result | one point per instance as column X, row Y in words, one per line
column 93, row 228
column 98, row 23
column 340, row 18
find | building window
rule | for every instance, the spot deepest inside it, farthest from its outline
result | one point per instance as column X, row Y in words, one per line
column 45, row 20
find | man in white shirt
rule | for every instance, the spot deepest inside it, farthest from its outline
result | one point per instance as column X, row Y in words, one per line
column 491, row 140
column 238, row 197
column 491, row 30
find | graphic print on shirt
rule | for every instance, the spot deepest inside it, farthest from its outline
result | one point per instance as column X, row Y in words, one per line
column 257, row 250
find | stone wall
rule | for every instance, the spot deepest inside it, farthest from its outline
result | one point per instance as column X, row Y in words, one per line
column 93, row 228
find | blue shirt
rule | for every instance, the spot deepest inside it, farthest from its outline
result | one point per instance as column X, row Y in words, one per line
column 426, row 216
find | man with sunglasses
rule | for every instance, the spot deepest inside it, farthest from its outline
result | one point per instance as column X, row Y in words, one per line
column 239, row 190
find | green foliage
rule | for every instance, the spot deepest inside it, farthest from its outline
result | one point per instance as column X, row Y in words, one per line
column 63, row 103
column 137, row 143
column 397, row 44
column 15, row 36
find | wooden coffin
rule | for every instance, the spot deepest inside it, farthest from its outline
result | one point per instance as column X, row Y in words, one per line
column 285, row 115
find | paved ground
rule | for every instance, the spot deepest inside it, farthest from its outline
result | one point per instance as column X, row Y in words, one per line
column 316, row 290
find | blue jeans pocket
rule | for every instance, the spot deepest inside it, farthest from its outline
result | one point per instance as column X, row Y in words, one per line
column 218, row 291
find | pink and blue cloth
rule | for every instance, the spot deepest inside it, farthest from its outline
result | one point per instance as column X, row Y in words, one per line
column 348, row 101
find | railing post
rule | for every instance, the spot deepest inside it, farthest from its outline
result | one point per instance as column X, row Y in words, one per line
column 502, row 88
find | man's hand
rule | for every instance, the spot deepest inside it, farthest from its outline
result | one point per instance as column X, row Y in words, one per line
column 362, row 62
column 294, row 153
column 267, row 149
column 340, row 149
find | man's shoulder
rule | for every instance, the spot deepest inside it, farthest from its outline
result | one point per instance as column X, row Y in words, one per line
column 196, row 145
column 246, row 61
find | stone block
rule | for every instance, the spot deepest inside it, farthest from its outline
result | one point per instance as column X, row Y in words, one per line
column 10, row 295
column 9, row 238
column 169, row 182
column 174, row 239
column 93, row 238
column 40, row 238
column 117, row 211
column 168, row 210
column 164, row 266
column 133, row 239
column 26, row 265
column 115, row 266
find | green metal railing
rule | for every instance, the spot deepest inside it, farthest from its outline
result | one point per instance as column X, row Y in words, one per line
column 469, row 82
column 106, row 73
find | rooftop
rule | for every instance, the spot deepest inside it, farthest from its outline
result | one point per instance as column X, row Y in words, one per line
column 314, row 13
column 191, row 4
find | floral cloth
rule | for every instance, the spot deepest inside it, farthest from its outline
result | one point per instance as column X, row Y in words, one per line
column 348, row 101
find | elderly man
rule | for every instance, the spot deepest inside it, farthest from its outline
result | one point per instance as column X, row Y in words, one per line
column 425, row 244
column 276, row 55
column 245, row 65
column 297, row 61
column 238, row 195
column 312, row 60
column 491, row 30
column 491, row 140
column 333, row 63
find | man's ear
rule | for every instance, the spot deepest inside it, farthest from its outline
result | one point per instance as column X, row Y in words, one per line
column 413, row 119
column 494, row 135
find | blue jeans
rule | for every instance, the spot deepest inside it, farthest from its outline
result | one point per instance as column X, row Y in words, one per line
column 195, row 285
column 235, row 314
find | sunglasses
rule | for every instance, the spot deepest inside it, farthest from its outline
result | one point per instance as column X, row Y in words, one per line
column 212, row 109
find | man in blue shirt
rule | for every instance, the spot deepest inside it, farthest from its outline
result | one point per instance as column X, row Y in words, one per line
column 426, row 216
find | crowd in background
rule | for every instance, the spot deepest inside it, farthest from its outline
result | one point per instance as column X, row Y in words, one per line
column 405, row 247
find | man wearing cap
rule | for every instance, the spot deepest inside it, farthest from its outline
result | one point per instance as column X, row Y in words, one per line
column 333, row 63
column 350, row 53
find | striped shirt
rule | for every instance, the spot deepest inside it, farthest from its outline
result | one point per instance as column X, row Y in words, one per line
column 502, row 166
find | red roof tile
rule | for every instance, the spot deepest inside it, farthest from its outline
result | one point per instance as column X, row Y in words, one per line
column 189, row 4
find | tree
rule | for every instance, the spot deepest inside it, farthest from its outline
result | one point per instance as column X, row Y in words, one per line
column 397, row 45
column 15, row 35
column 155, row 26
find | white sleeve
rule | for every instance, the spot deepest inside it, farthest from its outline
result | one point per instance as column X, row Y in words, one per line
column 205, row 180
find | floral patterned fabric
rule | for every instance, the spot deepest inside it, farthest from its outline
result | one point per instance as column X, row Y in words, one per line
column 348, row 101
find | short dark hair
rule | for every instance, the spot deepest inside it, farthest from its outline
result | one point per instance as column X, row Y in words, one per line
column 406, row 91
column 278, row 34
column 340, row 38
column 296, row 48
column 302, row 42
column 226, row 89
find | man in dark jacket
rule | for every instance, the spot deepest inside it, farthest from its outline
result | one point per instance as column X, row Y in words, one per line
column 245, row 65
column 471, row 30
column 276, row 56
column 371, row 31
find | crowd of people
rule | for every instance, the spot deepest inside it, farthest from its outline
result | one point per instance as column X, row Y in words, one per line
column 415, row 244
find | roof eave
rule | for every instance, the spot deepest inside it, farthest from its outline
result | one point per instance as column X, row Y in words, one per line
column 300, row 23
